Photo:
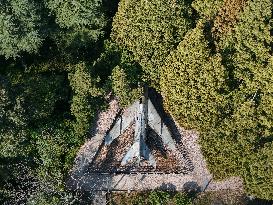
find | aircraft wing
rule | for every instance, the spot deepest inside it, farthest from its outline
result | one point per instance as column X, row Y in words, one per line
column 156, row 123
column 122, row 123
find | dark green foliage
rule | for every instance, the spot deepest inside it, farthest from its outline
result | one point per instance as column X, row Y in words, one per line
column 83, row 17
column 50, row 91
column 38, row 176
column 215, row 76
column 20, row 31
column 82, row 24
column 125, row 74
column 125, row 80
column 72, row 25
column 29, row 99
column 122, row 88
column 5, row 99
column 108, row 59
column 150, row 30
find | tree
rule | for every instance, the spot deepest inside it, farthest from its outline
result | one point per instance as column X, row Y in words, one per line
column 20, row 27
column 150, row 30
column 226, row 18
column 193, row 83
column 86, row 96
column 123, row 88
column 81, row 22
column 241, row 144
column 5, row 99
column 207, row 8
column 39, row 133
column 81, row 16
column 12, row 121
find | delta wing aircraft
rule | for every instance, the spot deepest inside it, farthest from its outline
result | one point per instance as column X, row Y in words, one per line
column 143, row 114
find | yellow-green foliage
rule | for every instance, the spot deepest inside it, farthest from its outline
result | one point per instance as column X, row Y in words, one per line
column 241, row 144
column 191, row 82
column 228, row 97
column 122, row 88
column 150, row 30
column 259, row 175
column 207, row 8
column 85, row 91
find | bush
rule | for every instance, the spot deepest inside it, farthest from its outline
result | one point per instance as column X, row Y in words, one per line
column 152, row 198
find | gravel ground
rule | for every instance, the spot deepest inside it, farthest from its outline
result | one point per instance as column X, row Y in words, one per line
column 110, row 156
column 205, row 178
column 106, row 118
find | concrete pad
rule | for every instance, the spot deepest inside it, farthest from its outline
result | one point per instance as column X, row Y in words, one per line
column 134, row 182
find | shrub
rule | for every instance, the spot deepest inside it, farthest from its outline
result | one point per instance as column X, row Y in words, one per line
column 155, row 197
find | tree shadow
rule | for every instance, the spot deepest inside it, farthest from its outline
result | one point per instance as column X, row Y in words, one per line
column 192, row 187
column 168, row 187
column 157, row 101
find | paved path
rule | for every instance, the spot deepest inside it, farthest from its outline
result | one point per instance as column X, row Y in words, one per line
column 134, row 182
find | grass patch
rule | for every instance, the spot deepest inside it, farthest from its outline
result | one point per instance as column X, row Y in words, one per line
column 151, row 198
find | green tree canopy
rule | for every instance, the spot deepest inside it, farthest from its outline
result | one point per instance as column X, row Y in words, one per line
column 232, row 148
column 192, row 81
column 86, row 97
column 20, row 27
column 82, row 20
column 207, row 8
column 150, row 30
